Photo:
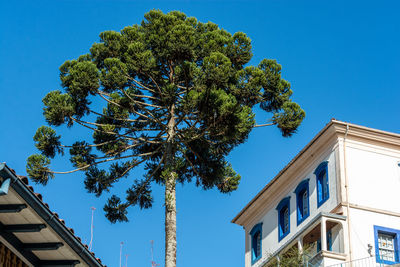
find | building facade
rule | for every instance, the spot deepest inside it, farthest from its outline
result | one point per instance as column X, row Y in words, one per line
column 337, row 203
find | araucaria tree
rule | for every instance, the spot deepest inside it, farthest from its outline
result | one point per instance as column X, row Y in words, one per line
column 172, row 94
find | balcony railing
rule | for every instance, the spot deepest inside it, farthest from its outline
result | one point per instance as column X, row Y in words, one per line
column 373, row 261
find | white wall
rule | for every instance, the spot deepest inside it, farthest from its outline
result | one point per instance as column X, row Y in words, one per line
column 331, row 262
column 374, row 182
column 337, row 238
column 270, row 242
column 362, row 230
column 373, row 176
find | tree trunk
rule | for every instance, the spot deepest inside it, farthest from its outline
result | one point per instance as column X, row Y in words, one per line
column 170, row 197
column 170, row 222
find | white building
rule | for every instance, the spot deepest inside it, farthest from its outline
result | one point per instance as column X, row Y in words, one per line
column 338, row 201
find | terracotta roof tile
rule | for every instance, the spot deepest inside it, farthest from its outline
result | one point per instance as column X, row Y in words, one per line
column 39, row 196
column 25, row 180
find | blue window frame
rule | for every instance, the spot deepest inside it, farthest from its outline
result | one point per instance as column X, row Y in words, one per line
column 328, row 241
column 386, row 245
column 302, row 201
column 321, row 173
column 256, row 244
column 283, row 209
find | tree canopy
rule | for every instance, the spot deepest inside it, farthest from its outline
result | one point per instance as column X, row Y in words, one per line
column 172, row 94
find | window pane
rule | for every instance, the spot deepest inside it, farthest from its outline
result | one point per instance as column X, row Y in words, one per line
column 329, row 240
column 305, row 203
column 286, row 220
column 386, row 247
column 324, row 186
column 256, row 244
column 319, row 185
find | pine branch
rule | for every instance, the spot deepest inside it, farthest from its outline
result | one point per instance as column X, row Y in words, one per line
column 263, row 125
column 197, row 155
column 118, row 119
column 184, row 88
column 133, row 110
column 102, row 94
column 144, row 142
column 92, row 145
column 158, row 87
column 148, row 179
column 146, row 96
column 141, row 103
column 130, row 129
column 140, row 84
column 111, row 133
column 93, row 164
column 193, row 167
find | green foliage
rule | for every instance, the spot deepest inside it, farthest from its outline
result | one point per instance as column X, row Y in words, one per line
column 97, row 180
column 47, row 141
column 116, row 210
column 290, row 258
column 80, row 154
column 231, row 180
column 140, row 194
column 80, row 78
column 289, row 119
column 59, row 108
column 38, row 170
column 169, row 70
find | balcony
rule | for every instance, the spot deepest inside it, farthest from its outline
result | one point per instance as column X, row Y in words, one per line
column 323, row 243
column 320, row 243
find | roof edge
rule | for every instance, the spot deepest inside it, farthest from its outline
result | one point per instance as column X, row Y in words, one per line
column 235, row 219
column 49, row 217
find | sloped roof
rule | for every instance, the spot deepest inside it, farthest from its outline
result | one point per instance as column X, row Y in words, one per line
column 34, row 232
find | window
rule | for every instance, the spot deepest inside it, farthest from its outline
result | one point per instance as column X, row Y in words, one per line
column 321, row 172
column 328, row 241
column 256, row 234
column 302, row 201
column 386, row 245
column 283, row 209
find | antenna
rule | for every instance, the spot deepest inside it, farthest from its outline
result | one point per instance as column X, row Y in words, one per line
column 126, row 260
column 153, row 263
column 120, row 253
column 91, row 230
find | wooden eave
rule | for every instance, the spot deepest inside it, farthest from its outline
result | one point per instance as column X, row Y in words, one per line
column 33, row 232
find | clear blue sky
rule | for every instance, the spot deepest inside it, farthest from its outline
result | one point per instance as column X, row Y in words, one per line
column 341, row 57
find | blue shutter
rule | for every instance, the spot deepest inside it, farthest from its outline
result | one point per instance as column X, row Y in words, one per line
column 329, row 240
column 319, row 189
column 283, row 209
column 256, row 245
column 321, row 173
